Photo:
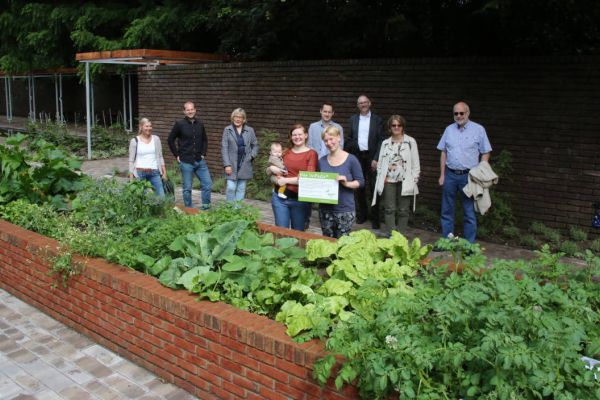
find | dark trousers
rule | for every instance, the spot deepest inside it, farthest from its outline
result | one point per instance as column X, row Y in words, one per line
column 364, row 195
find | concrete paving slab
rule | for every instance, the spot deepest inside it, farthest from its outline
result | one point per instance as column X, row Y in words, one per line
column 50, row 361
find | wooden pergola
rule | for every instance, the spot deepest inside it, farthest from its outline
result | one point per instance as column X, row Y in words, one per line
column 147, row 58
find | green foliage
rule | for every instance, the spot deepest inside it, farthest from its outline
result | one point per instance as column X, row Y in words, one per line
column 569, row 247
column 488, row 335
column 459, row 248
column 114, row 203
column 106, row 142
column 538, row 228
column 63, row 267
column 39, row 173
column 552, row 235
column 577, row 234
column 42, row 218
column 231, row 262
column 595, row 246
column 592, row 270
column 511, row 232
column 361, row 268
column 39, row 35
column 260, row 187
column 500, row 215
column 529, row 241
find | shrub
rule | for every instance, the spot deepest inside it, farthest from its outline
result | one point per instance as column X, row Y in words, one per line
column 501, row 213
column 569, row 247
column 529, row 241
column 577, row 234
column 552, row 235
column 108, row 142
column 511, row 232
column 538, row 228
column 595, row 245
column 260, row 186
column 38, row 172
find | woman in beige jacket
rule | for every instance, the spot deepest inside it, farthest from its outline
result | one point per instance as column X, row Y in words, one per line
column 398, row 171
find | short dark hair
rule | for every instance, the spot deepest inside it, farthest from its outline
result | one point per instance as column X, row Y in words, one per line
column 327, row 103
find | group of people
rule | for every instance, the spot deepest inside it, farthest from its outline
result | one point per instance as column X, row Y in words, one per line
column 373, row 168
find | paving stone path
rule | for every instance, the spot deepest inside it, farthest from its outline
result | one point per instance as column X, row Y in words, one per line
column 43, row 359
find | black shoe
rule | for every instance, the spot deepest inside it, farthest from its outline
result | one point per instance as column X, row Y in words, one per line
column 361, row 219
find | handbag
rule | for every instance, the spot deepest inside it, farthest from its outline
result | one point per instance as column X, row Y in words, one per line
column 168, row 187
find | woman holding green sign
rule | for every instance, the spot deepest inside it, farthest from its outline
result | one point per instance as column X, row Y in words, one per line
column 337, row 220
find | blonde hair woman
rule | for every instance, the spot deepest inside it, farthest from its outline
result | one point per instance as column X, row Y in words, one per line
column 239, row 148
column 146, row 160
column 337, row 220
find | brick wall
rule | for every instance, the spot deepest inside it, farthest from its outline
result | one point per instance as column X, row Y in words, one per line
column 212, row 350
column 540, row 109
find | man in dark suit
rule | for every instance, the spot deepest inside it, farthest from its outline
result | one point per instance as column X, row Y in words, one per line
column 364, row 141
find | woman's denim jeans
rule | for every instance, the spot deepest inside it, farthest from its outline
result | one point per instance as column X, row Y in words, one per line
column 154, row 178
column 236, row 190
column 200, row 169
column 289, row 212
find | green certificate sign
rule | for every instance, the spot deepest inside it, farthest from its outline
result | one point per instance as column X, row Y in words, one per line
column 318, row 187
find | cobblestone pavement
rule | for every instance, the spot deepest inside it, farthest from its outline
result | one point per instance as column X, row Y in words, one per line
column 41, row 358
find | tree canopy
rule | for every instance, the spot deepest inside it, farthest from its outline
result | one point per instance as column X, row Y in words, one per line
column 46, row 34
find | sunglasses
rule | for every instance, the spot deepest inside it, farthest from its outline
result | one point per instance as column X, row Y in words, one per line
column 396, row 126
column 459, row 113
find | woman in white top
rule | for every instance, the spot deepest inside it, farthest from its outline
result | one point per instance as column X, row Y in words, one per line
column 145, row 157
column 398, row 171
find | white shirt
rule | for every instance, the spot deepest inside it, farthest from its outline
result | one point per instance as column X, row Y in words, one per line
column 146, row 155
column 363, row 131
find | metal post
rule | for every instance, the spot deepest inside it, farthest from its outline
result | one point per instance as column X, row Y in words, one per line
column 31, row 87
column 130, row 106
column 124, row 104
column 57, row 116
column 60, row 99
column 88, row 110
column 93, row 106
column 8, row 96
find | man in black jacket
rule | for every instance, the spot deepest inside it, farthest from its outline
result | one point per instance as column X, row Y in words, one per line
column 188, row 143
column 364, row 141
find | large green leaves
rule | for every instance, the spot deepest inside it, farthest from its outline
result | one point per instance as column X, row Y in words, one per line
column 39, row 173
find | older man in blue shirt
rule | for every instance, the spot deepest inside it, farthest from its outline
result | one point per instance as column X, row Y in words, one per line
column 463, row 145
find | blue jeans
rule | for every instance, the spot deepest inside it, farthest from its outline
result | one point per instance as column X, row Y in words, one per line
column 454, row 183
column 154, row 178
column 235, row 189
column 200, row 169
column 289, row 212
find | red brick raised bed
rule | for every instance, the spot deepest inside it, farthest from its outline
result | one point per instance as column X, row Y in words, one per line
column 212, row 350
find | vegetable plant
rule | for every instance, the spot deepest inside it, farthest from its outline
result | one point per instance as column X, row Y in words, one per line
column 360, row 268
column 37, row 171
column 488, row 335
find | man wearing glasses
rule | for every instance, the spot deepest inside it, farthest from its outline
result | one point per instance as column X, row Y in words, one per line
column 364, row 140
column 463, row 145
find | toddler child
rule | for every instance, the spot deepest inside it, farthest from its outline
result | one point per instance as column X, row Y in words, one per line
column 276, row 160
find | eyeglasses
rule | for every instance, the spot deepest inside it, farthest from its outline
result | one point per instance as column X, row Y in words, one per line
column 396, row 126
column 459, row 113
